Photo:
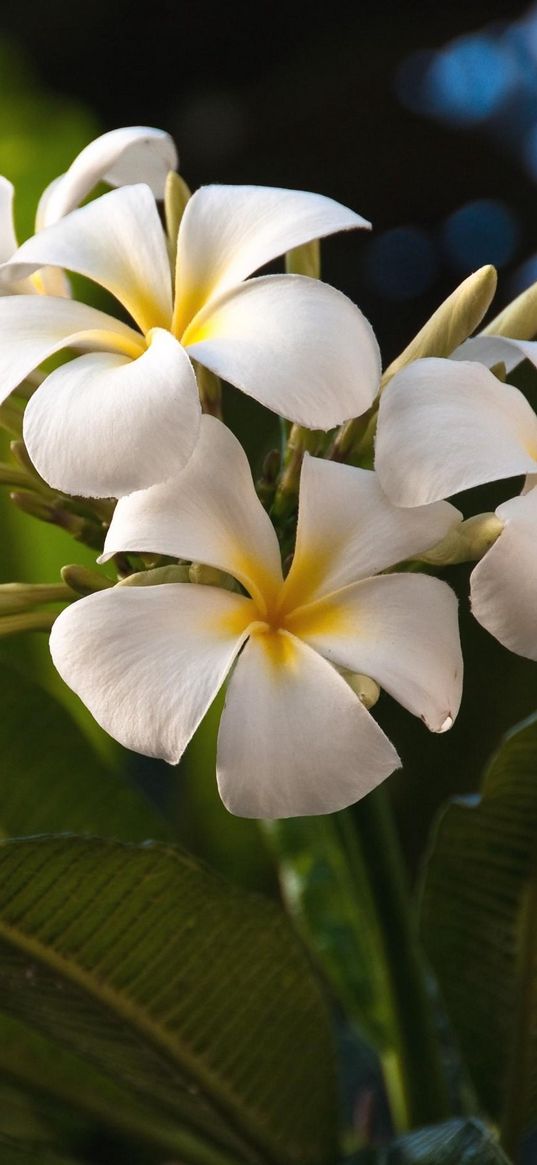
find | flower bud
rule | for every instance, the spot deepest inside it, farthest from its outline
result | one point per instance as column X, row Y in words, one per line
column 364, row 687
column 305, row 260
column 151, row 578
column 467, row 542
column 210, row 576
column 452, row 322
column 518, row 320
column 176, row 196
column 84, row 581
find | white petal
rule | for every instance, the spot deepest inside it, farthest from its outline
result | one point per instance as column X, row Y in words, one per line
column 445, row 426
column 118, row 241
column 123, row 156
column 491, row 350
column 294, row 739
column 8, row 238
column 33, row 327
column 104, row 425
column 148, row 661
column 348, row 529
column 210, row 514
column 298, row 346
column 504, row 583
column 229, row 231
column 399, row 629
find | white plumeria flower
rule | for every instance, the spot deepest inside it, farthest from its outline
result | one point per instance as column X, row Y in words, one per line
column 125, row 415
column 294, row 738
column 134, row 154
column 445, row 426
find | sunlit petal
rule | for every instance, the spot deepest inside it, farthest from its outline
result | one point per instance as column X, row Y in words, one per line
column 348, row 529
column 298, row 346
column 104, row 425
column 294, row 739
column 121, row 157
column 399, row 629
column 210, row 513
column 148, row 661
column 445, row 426
column 504, row 583
column 227, row 232
column 118, row 241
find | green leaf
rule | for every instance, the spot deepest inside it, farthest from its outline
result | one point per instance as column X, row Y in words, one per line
column 479, row 914
column 189, row 992
column 15, row 1152
column 52, row 1084
column 456, row 1142
column 52, row 780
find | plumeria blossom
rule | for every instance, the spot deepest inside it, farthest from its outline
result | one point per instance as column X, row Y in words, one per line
column 294, row 738
column 445, row 426
column 133, row 154
column 125, row 414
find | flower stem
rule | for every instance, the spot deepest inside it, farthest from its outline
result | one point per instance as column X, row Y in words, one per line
column 423, row 1080
column 344, row 883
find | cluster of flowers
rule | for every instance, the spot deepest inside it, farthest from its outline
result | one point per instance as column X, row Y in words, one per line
column 306, row 653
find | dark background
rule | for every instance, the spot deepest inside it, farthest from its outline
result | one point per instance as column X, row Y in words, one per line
column 421, row 117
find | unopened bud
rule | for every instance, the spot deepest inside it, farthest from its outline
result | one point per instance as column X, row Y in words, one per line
column 364, row 687
column 467, row 542
column 84, row 581
column 210, row 576
column 305, row 260
column 27, row 621
column 12, row 475
column 156, row 577
column 16, row 596
column 518, row 320
column 451, row 323
column 11, row 418
column 22, row 457
column 176, row 196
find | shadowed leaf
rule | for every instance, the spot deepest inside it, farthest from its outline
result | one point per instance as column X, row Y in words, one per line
column 52, row 780
column 479, row 913
column 188, row 992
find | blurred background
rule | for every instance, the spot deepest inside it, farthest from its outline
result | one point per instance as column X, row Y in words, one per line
column 422, row 117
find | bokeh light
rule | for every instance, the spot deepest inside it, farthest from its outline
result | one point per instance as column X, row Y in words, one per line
column 483, row 231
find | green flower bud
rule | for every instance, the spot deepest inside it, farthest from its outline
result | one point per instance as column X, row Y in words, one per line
column 452, row 322
column 152, row 578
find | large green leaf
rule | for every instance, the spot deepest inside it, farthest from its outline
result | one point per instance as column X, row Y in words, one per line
column 52, row 1087
column 15, row 1152
column 456, row 1142
column 52, row 780
column 479, row 912
column 191, row 993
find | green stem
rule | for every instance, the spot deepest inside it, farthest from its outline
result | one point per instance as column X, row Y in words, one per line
column 423, row 1080
column 344, row 883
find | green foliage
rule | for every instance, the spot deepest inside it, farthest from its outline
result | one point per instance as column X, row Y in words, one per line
column 15, row 1152
column 479, row 914
column 52, row 780
column 345, row 886
column 187, row 992
column 456, row 1142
